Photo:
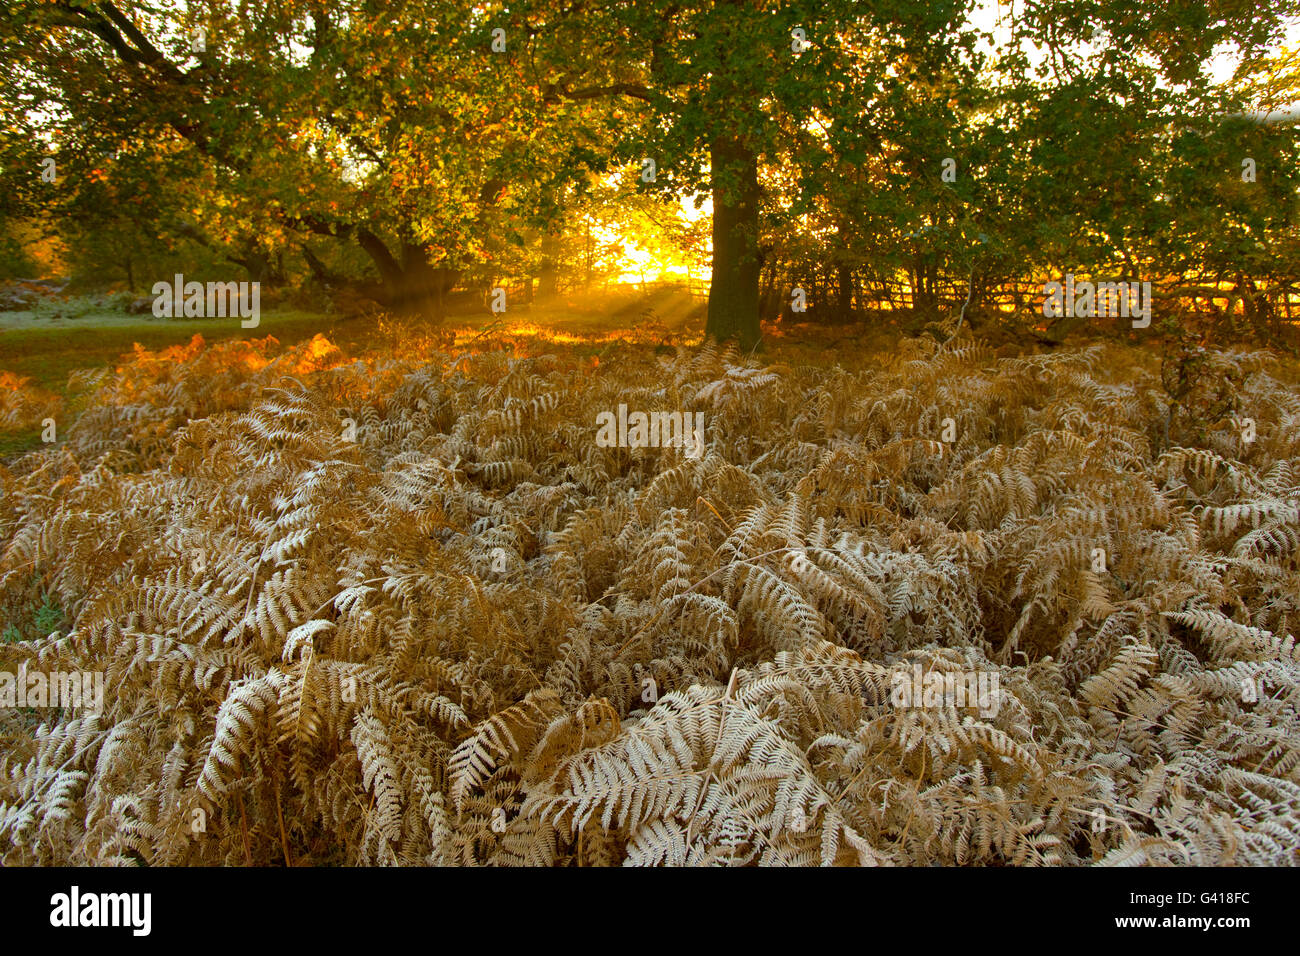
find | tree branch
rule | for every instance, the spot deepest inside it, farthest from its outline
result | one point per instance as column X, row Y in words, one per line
column 554, row 93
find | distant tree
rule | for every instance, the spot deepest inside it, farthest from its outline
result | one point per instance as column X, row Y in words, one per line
column 396, row 128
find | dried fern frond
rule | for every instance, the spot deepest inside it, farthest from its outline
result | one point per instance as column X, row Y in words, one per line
column 469, row 635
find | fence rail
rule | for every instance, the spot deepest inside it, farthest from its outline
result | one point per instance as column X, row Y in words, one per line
column 1201, row 296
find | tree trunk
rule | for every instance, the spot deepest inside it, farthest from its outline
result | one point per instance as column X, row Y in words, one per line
column 845, row 279
column 548, row 275
column 319, row 271
column 769, row 297
column 588, row 255
column 414, row 284
column 925, row 293
column 1255, row 307
column 425, row 286
column 733, row 293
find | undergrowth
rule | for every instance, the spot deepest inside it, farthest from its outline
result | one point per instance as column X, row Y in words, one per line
column 473, row 636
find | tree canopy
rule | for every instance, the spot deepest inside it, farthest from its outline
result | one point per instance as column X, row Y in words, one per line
column 413, row 147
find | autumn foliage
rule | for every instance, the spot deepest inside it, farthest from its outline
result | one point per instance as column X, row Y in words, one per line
column 473, row 635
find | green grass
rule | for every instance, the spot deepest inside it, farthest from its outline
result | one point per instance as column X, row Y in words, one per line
column 47, row 350
column 34, row 622
column 19, row 442
column 61, row 336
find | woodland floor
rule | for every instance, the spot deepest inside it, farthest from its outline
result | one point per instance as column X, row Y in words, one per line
column 463, row 632
column 45, row 345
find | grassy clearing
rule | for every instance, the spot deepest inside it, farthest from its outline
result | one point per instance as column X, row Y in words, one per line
column 18, row 442
column 46, row 350
column 46, row 344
